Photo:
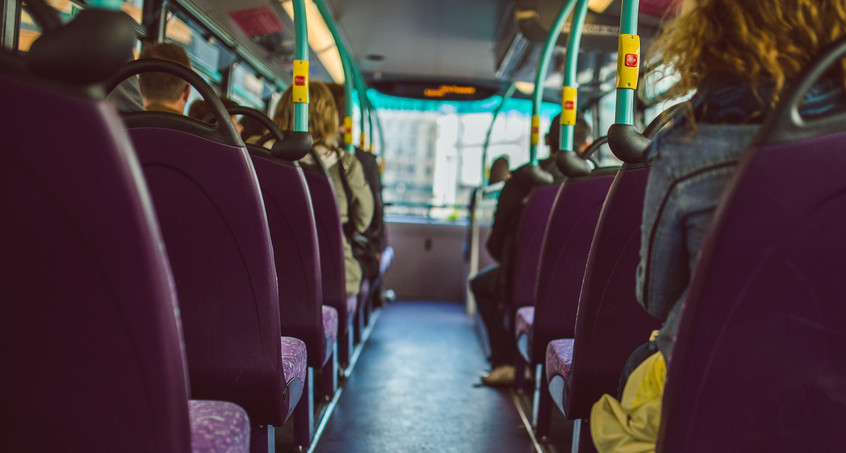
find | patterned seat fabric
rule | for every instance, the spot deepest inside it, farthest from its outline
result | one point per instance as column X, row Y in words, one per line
column 523, row 322
column 294, row 359
column 219, row 427
column 559, row 357
column 330, row 323
column 352, row 301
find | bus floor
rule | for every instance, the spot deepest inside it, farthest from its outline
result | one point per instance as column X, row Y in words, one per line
column 415, row 388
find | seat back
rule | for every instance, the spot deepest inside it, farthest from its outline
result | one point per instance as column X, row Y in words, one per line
column 565, row 250
column 89, row 337
column 206, row 195
column 294, row 235
column 758, row 360
column 610, row 322
column 527, row 253
column 330, row 243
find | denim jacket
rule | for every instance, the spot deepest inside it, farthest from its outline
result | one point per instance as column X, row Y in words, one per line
column 687, row 177
column 689, row 171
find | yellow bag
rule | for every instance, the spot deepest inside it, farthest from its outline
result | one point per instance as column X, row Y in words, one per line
column 631, row 425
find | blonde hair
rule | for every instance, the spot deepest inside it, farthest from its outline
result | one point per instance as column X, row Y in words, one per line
column 322, row 114
column 748, row 42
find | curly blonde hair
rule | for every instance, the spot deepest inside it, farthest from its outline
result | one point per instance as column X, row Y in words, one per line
column 747, row 42
column 322, row 114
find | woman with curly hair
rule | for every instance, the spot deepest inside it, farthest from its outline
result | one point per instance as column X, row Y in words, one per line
column 736, row 57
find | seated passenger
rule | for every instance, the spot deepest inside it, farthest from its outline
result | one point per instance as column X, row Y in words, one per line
column 164, row 92
column 738, row 57
column 376, row 231
column 490, row 286
column 323, row 126
column 581, row 140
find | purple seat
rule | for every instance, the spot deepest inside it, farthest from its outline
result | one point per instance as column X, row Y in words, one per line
column 89, row 327
column 611, row 323
column 559, row 359
column 206, row 196
column 562, row 265
column 294, row 237
column 329, row 239
column 757, row 363
column 527, row 253
column 218, row 426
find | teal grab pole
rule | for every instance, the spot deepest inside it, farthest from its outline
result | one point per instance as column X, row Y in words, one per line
column 624, row 113
column 505, row 97
column 301, row 34
column 362, row 100
column 346, row 64
column 378, row 124
column 565, row 141
column 540, row 76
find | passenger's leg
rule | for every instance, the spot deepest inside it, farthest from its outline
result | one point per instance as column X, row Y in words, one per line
column 484, row 286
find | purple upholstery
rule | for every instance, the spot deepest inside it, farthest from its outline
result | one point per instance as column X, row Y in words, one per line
column 214, row 225
column 559, row 357
column 611, row 323
column 331, row 246
column 218, row 427
column 89, row 338
column 523, row 321
column 330, row 323
column 294, row 234
column 758, row 361
column 527, row 253
column 565, row 251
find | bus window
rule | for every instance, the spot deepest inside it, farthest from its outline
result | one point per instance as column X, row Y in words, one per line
column 433, row 150
column 246, row 88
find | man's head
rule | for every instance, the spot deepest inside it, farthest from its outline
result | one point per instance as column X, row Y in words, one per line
column 161, row 88
column 581, row 135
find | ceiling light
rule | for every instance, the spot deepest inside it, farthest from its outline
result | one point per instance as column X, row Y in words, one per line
column 320, row 40
column 599, row 6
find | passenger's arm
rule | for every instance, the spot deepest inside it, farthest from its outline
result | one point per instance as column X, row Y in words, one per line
column 362, row 196
column 662, row 274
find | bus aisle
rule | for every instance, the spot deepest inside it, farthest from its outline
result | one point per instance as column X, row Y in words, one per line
column 413, row 390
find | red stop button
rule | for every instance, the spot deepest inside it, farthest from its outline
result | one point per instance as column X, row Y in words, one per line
column 299, row 80
column 631, row 60
column 569, row 105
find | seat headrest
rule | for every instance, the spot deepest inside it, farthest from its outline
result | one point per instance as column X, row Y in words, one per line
column 87, row 50
column 571, row 165
column 294, row 146
column 532, row 175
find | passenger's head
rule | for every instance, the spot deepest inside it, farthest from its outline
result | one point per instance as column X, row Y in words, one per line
column 161, row 88
column 500, row 170
column 581, row 135
column 748, row 42
column 200, row 110
column 322, row 114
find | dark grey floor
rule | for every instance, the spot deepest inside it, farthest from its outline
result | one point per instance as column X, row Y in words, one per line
column 413, row 390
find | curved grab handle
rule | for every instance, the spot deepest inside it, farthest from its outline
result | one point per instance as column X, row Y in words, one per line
column 785, row 124
column 593, row 148
column 222, row 128
column 288, row 145
column 627, row 143
column 664, row 119
column 571, row 164
column 45, row 16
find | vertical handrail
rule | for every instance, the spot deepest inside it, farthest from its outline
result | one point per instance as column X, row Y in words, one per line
column 628, row 63
column 505, row 97
column 569, row 89
column 300, row 80
column 378, row 125
column 540, row 76
column 349, row 73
